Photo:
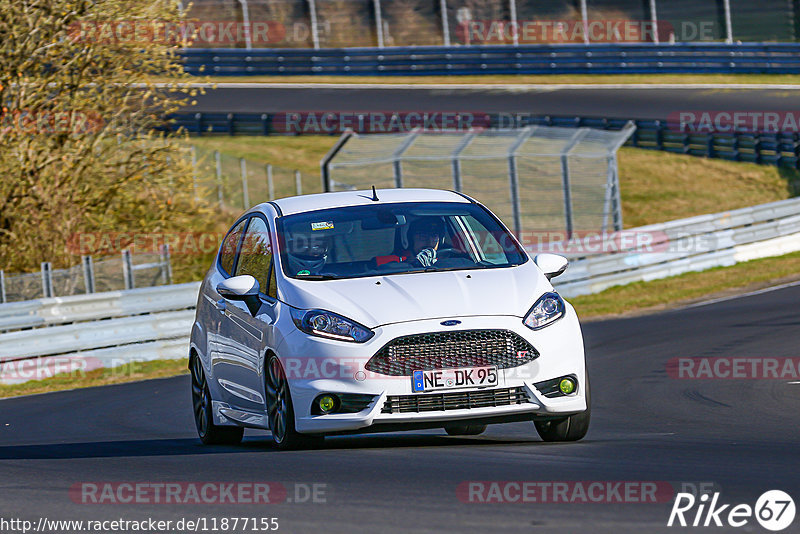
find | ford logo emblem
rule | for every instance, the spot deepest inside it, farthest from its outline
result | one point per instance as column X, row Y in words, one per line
column 451, row 322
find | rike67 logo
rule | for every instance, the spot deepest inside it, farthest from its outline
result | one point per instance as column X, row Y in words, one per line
column 774, row 510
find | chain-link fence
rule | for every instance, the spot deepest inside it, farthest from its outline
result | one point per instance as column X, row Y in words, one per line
column 554, row 182
column 238, row 183
column 125, row 271
column 231, row 183
column 359, row 23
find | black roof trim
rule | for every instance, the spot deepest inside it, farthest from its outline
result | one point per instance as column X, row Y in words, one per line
column 277, row 208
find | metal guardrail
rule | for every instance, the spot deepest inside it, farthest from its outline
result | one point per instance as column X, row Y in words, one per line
column 42, row 337
column 781, row 148
column 691, row 244
column 754, row 219
column 96, row 306
column 747, row 58
column 69, row 339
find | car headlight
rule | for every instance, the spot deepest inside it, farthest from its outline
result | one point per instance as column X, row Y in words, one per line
column 328, row 324
column 547, row 310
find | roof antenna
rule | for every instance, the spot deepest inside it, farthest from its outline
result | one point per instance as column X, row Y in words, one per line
column 374, row 195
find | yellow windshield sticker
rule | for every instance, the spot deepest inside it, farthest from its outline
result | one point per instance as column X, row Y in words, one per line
column 327, row 225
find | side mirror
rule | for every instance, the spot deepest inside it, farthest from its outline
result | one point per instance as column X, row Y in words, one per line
column 551, row 265
column 244, row 288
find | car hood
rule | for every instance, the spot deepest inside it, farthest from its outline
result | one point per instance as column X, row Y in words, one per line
column 381, row 300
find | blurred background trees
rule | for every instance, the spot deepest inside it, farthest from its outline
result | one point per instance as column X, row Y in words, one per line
column 80, row 149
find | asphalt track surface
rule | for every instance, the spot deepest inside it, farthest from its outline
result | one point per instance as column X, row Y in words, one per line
column 617, row 102
column 742, row 436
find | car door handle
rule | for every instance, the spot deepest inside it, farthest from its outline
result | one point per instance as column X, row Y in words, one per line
column 221, row 305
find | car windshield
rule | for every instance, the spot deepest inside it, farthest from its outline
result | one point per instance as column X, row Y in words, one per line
column 385, row 239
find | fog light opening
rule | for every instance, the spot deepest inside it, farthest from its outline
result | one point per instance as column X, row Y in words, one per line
column 567, row 386
column 326, row 403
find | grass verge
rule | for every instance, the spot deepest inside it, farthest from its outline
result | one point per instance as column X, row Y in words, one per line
column 131, row 372
column 676, row 291
column 292, row 152
column 661, row 186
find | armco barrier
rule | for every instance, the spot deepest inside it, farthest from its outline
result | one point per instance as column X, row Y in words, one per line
column 781, row 148
column 96, row 306
column 773, row 58
column 40, row 337
column 81, row 337
column 762, row 221
column 692, row 244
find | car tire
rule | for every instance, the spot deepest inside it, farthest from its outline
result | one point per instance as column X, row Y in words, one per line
column 572, row 428
column 209, row 433
column 280, row 411
column 469, row 429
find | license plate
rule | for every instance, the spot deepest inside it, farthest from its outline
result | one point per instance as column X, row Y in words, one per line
column 437, row 379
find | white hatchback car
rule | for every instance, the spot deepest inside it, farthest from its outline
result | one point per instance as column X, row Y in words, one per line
column 394, row 309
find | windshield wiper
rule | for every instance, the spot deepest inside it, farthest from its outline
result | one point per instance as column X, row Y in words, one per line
column 316, row 277
column 466, row 268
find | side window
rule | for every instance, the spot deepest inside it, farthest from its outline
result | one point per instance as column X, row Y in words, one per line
column 229, row 246
column 256, row 254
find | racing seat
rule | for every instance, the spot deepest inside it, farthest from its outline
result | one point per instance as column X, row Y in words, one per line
column 382, row 260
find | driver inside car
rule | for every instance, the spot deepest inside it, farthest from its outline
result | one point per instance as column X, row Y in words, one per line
column 426, row 235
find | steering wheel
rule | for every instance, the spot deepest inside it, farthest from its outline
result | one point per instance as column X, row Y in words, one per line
column 450, row 252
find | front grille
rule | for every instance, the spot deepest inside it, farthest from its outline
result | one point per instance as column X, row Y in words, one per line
column 455, row 401
column 445, row 350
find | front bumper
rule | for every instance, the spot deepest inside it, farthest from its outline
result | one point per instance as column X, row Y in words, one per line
column 316, row 365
